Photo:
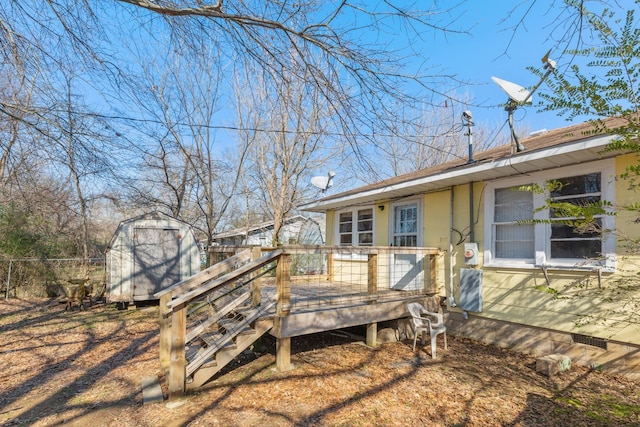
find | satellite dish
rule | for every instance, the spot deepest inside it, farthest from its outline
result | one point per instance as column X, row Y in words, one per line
column 323, row 182
column 515, row 92
column 520, row 96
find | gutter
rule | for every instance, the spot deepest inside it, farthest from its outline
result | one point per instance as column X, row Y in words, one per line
column 462, row 174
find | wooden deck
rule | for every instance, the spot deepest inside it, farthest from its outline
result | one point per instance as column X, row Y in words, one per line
column 210, row 318
column 337, row 305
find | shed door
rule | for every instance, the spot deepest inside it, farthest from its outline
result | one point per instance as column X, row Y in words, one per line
column 156, row 253
column 406, row 269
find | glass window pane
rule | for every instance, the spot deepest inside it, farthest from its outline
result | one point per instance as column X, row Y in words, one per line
column 516, row 250
column 582, row 249
column 566, row 231
column 582, row 184
column 515, row 241
column 346, row 217
column 513, row 205
column 365, row 225
column 345, row 239
column 365, row 214
column 514, row 232
column 365, row 239
column 346, row 227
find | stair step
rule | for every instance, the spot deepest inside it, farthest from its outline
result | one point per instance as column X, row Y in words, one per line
column 229, row 331
column 194, row 350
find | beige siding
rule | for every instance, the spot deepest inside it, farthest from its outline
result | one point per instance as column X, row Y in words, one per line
column 436, row 219
column 330, row 225
column 381, row 223
column 583, row 303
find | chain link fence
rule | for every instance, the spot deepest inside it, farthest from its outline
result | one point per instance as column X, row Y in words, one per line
column 42, row 278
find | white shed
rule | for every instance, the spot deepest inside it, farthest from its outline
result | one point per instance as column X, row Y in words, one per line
column 149, row 253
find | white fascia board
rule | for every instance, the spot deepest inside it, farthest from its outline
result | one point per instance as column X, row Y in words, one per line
column 508, row 163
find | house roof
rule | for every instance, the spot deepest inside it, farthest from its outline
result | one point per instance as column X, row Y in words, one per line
column 561, row 147
column 241, row 231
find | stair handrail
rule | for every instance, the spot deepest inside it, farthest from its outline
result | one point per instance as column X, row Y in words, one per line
column 209, row 273
column 245, row 269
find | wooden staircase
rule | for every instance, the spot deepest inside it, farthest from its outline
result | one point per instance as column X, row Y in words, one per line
column 215, row 347
column 209, row 319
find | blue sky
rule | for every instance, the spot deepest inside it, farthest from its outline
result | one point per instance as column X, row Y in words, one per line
column 493, row 49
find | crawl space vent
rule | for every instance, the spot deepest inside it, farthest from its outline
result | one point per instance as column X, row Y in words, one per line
column 594, row 342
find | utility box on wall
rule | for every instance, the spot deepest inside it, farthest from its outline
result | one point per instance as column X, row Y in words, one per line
column 148, row 254
column 470, row 290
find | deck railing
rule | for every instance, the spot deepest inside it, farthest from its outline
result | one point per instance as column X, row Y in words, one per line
column 297, row 278
column 315, row 277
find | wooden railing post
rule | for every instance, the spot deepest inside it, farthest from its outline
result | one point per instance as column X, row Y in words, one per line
column 372, row 277
column 431, row 271
column 165, row 333
column 372, row 288
column 283, row 283
column 178, row 365
column 256, row 253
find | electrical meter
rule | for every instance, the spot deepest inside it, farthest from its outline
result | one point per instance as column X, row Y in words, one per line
column 471, row 253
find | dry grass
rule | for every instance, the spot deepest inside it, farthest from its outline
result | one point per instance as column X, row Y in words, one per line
column 84, row 368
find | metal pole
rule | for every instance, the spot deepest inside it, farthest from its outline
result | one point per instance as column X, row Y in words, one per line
column 8, row 281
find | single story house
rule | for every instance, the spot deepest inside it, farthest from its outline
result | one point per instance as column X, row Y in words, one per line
column 510, row 276
column 296, row 229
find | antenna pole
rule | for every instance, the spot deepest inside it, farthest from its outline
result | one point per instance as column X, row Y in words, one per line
column 550, row 65
column 469, row 135
column 515, row 142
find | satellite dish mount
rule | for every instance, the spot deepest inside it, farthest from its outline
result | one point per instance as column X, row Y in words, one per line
column 520, row 96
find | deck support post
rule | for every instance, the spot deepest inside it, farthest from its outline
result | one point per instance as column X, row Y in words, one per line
column 283, row 354
column 165, row 333
column 372, row 334
column 178, row 365
column 283, row 284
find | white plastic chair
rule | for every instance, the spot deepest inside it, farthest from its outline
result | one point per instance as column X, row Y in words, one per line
column 427, row 321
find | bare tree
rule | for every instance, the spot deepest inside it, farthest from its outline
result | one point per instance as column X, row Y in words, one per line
column 187, row 168
column 343, row 49
column 438, row 134
column 282, row 159
column 77, row 150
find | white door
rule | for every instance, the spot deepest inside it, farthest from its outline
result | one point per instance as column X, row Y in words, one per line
column 406, row 269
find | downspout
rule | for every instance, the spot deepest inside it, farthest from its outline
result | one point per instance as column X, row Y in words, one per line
column 471, row 219
column 452, row 299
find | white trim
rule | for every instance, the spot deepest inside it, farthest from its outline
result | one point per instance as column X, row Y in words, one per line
column 464, row 174
column 354, row 231
column 420, row 225
column 542, row 230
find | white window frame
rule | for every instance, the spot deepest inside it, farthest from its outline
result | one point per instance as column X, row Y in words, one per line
column 542, row 230
column 392, row 219
column 354, row 231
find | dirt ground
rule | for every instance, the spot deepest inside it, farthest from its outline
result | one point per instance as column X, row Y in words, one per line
column 85, row 368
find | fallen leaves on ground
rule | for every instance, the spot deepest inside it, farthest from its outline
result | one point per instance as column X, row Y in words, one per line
column 84, row 368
